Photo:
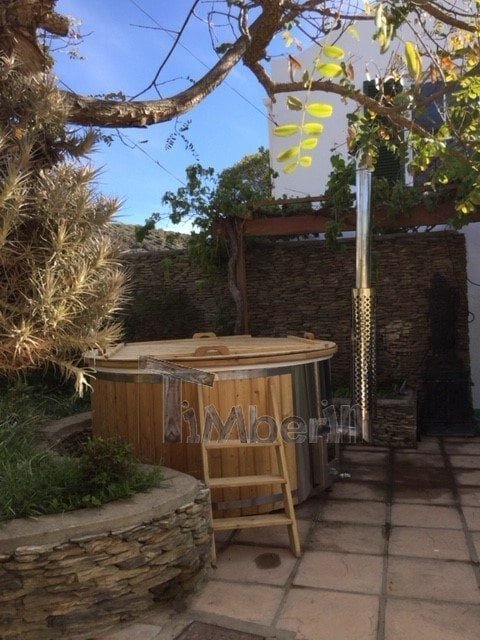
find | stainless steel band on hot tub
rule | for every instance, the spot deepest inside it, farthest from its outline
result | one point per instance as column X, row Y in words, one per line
column 123, row 375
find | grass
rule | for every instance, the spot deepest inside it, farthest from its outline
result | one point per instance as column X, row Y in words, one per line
column 35, row 480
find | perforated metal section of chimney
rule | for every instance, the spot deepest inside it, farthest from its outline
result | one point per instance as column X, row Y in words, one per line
column 363, row 311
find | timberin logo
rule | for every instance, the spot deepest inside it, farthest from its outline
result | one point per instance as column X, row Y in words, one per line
column 334, row 425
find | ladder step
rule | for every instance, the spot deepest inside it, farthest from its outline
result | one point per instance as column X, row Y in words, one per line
column 244, row 481
column 249, row 522
column 232, row 444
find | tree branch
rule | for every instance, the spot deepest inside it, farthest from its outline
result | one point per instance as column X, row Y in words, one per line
column 358, row 96
column 446, row 18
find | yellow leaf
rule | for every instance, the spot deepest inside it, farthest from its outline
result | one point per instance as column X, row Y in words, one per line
column 328, row 69
column 305, row 161
column 290, row 168
column 288, row 154
column 332, row 51
column 312, row 128
column 309, row 143
column 285, row 130
column 319, row 109
column 414, row 61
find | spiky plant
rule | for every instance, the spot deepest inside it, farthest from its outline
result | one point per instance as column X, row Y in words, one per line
column 59, row 278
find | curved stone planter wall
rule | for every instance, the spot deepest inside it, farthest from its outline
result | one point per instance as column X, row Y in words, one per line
column 61, row 576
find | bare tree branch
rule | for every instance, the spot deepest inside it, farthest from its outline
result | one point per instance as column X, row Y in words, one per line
column 447, row 18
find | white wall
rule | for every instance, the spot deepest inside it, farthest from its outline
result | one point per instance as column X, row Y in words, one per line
column 368, row 63
column 364, row 55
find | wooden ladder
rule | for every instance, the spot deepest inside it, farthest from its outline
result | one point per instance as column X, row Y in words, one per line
column 287, row 518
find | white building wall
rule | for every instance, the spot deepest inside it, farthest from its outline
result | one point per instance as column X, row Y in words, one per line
column 368, row 64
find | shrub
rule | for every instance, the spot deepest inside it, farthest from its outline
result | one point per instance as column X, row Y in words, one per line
column 35, row 480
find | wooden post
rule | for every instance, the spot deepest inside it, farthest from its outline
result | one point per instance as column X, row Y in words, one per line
column 241, row 275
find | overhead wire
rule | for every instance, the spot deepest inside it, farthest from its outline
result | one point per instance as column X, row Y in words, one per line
column 200, row 61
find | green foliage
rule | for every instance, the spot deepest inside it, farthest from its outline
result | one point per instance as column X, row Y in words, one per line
column 35, row 480
column 338, row 196
column 307, row 132
column 60, row 280
column 208, row 198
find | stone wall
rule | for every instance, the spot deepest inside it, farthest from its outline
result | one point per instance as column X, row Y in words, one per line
column 67, row 575
column 173, row 298
column 296, row 286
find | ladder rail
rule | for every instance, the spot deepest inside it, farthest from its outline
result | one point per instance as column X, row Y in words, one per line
column 279, row 477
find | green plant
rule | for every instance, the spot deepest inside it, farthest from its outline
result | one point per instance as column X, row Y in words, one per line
column 35, row 480
column 60, row 281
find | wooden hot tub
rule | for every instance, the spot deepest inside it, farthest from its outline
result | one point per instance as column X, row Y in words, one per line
column 128, row 401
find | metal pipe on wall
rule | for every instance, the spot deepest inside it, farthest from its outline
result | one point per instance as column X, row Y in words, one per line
column 363, row 310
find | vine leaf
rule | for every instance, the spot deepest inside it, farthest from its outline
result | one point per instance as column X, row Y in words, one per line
column 319, row 109
column 333, row 51
column 313, row 128
column 329, row 69
column 414, row 60
column 305, row 161
column 290, row 168
column 288, row 154
column 309, row 143
column 294, row 104
column 285, row 130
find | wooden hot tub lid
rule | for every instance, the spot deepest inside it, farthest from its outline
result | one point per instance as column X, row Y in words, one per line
column 216, row 351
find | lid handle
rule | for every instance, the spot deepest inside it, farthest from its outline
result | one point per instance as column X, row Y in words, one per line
column 205, row 334
column 218, row 350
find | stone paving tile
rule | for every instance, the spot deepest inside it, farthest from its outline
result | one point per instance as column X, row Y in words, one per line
column 272, row 536
column 308, row 509
column 428, row 446
column 349, row 490
column 345, row 572
column 476, row 541
column 444, row 544
column 240, row 563
column 348, row 538
column 415, row 494
column 423, row 460
column 419, row 515
column 357, row 456
column 412, row 620
column 432, row 579
column 465, row 462
column 469, row 496
column 365, row 511
column 412, row 474
column 249, row 602
column 362, row 472
column 364, row 447
column 463, row 448
column 329, row 615
column 132, row 632
column 472, row 516
column 468, row 477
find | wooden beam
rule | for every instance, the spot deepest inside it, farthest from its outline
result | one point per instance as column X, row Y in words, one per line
column 316, row 222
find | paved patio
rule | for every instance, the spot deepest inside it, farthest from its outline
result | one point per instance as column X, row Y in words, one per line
column 390, row 554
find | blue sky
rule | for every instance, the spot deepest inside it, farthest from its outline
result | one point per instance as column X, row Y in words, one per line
column 121, row 57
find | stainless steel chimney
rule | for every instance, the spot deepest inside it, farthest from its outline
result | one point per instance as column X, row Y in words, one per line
column 363, row 310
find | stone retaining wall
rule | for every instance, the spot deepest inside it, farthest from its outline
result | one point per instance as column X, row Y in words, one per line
column 63, row 576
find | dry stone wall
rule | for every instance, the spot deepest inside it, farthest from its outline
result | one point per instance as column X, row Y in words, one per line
column 296, row 286
column 68, row 575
